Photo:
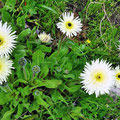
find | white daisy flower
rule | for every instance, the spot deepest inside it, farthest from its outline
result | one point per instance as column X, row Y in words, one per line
column 7, row 39
column 70, row 25
column 97, row 77
column 5, row 68
column 45, row 38
column 117, row 76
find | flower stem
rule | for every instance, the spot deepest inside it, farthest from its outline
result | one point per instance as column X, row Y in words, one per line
column 24, row 72
column 61, row 44
column 33, row 75
column 7, row 88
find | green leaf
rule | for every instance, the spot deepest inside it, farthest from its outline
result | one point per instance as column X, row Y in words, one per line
column 48, row 100
column 73, row 88
column 76, row 109
column 38, row 57
column 49, row 8
column 19, row 72
column 63, row 51
column 19, row 81
column 33, row 106
column 67, row 117
column 23, row 34
column 7, row 114
column 24, row 91
column 21, row 22
column 10, row 3
column 40, row 101
column 68, row 66
column 52, row 83
column 57, row 96
column 49, row 83
column 3, row 98
column 20, row 110
column 3, row 89
column 76, row 112
column 44, row 71
column 45, row 49
column 19, row 52
column 32, row 117
column 69, row 76
column 6, row 16
column 32, row 11
column 6, row 88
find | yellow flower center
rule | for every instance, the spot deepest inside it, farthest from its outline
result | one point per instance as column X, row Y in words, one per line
column 118, row 76
column 0, row 66
column 69, row 25
column 98, row 76
column 1, row 40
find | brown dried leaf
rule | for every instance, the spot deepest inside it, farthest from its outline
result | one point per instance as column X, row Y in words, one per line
column 83, row 34
column 85, row 27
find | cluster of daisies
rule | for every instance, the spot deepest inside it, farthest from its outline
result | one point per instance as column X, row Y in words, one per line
column 7, row 44
column 69, row 25
column 97, row 77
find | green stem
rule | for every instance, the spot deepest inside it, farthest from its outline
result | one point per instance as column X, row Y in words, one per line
column 61, row 44
column 24, row 72
column 50, row 113
column 33, row 75
column 20, row 5
column 7, row 88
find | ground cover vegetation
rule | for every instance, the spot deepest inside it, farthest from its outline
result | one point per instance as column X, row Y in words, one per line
column 59, row 59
